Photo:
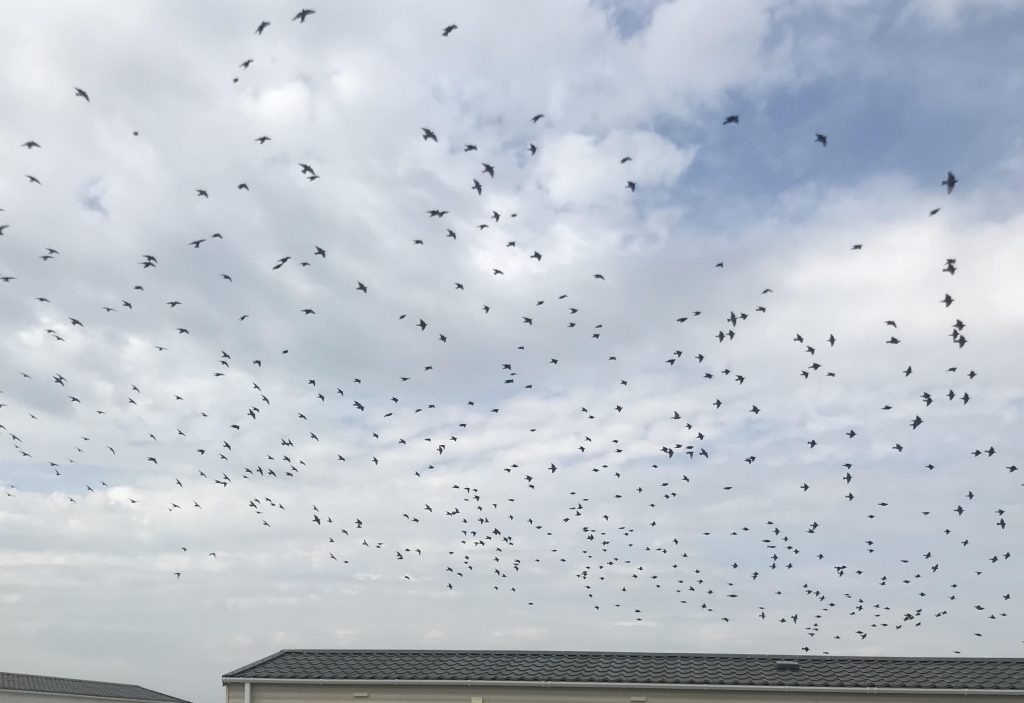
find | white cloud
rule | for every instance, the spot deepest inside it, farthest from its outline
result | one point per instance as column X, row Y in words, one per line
column 581, row 546
column 951, row 14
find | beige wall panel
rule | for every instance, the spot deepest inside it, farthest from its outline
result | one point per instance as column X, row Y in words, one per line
column 235, row 693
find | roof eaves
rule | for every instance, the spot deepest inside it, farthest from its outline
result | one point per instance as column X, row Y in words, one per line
column 276, row 654
column 463, row 683
column 164, row 698
column 285, row 671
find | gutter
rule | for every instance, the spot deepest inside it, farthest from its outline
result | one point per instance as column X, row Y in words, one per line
column 706, row 688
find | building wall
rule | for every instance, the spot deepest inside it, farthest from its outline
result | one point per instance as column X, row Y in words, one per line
column 382, row 693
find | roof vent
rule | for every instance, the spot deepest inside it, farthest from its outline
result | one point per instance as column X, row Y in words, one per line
column 787, row 665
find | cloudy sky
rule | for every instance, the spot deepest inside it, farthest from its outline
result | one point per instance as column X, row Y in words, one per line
column 670, row 418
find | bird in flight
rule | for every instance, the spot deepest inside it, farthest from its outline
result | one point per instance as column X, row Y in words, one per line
column 950, row 182
column 224, row 427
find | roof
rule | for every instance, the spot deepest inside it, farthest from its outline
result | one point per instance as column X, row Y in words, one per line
column 638, row 668
column 78, row 687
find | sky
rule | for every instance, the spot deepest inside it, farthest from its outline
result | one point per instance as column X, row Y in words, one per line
column 697, row 386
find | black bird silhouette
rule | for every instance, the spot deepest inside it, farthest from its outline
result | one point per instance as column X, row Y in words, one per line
column 82, row 94
column 487, row 531
column 950, row 182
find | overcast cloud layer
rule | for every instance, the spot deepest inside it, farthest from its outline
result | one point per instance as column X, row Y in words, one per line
column 627, row 430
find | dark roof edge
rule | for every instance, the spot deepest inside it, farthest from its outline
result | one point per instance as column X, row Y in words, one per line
column 465, row 683
column 276, row 654
column 159, row 693
column 166, row 697
column 695, row 655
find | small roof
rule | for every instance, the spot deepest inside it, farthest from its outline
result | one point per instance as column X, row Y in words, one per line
column 759, row 670
column 79, row 687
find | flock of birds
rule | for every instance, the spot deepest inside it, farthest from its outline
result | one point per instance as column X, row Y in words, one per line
column 495, row 539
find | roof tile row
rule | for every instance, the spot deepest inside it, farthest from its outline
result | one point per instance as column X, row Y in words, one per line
column 79, row 687
column 639, row 668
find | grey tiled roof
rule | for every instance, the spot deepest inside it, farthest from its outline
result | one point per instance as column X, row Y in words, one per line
column 638, row 668
column 78, row 687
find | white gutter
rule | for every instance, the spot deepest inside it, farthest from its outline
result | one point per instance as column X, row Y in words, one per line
column 707, row 688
